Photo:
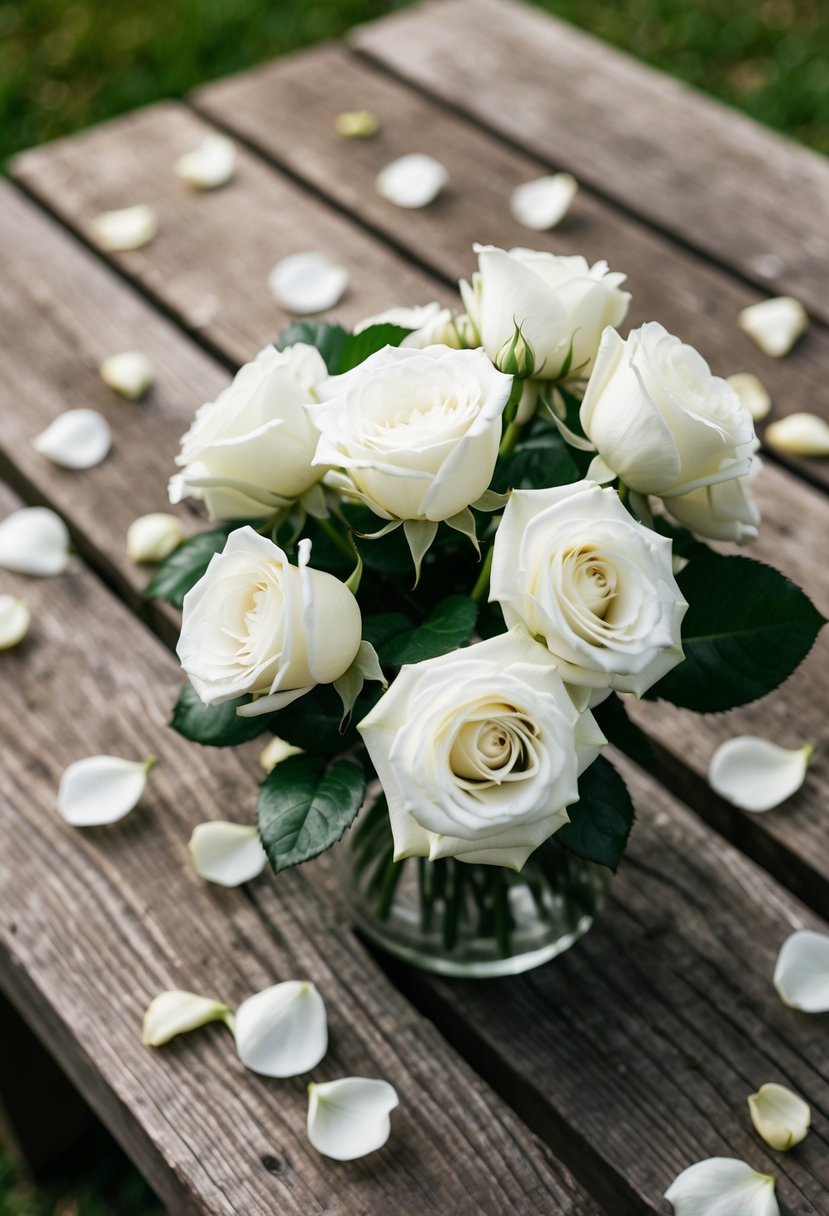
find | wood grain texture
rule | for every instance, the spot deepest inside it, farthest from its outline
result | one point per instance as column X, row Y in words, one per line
column 718, row 181
column 94, row 923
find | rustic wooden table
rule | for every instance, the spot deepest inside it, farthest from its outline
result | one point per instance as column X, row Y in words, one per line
column 586, row 1086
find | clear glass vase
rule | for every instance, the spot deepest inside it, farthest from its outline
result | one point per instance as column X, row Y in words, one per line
column 468, row 920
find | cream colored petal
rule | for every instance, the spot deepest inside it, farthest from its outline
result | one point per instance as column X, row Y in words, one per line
column 801, row 434
column 129, row 373
column 210, row 165
column 15, row 619
column 801, row 975
column 227, row 853
column 357, row 124
column 412, row 181
column 276, row 751
column 78, row 439
column 307, row 282
column 774, row 325
column 129, row 228
column 176, row 1012
column 544, row 202
column 101, row 789
column 755, row 774
column 34, row 540
column 349, row 1118
column 780, row 1116
column 282, row 1031
column 753, row 394
column 151, row 538
column 722, row 1186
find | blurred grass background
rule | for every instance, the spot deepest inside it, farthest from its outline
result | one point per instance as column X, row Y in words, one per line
column 67, row 63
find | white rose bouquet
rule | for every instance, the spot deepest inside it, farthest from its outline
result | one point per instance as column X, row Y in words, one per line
column 449, row 548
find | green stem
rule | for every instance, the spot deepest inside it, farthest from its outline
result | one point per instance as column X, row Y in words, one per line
column 510, row 438
column 344, row 546
column 478, row 592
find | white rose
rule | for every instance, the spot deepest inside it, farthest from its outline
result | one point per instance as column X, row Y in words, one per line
column 250, row 450
column 554, row 300
column 479, row 752
column 431, row 325
column 659, row 419
column 417, row 431
column 575, row 569
column 724, row 511
column 255, row 624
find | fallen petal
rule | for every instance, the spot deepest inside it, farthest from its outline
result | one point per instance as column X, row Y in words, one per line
column 276, row 751
column 774, row 325
column 227, row 853
column 800, row 434
column 101, row 789
column 757, row 775
column 723, row 1186
column 78, row 439
column 15, row 619
column 210, row 165
column 356, row 124
column 544, row 202
column 34, row 540
column 349, row 1118
column 801, row 975
column 129, row 373
column 412, row 181
column 151, row 538
column 129, row 228
column 753, row 394
column 176, row 1012
column 307, row 282
column 780, row 1116
column 282, row 1031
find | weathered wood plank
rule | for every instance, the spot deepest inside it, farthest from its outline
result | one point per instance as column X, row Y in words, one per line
column 718, row 181
column 94, row 923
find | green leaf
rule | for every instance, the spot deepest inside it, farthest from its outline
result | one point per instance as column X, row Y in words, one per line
column 313, row 722
column 357, row 347
column 601, row 820
column 450, row 625
column 184, row 567
column 382, row 627
column 215, row 725
column 746, row 630
column 618, row 729
column 303, row 811
column 327, row 338
column 534, row 465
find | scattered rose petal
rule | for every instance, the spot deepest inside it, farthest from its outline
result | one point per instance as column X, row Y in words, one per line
column 175, row 1012
column 781, row 1117
column 282, row 1031
column 276, row 751
column 227, row 853
column 349, row 1118
column 15, row 619
column 101, row 789
column 723, row 1186
column 78, row 439
column 151, row 538
column 129, row 228
column 800, row 434
column 801, row 975
column 774, row 325
column 357, row 124
column 752, row 393
column 412, row 181
column 129, row 373
column 210, row 165
column 307, row 282
column 544, row 202
column 755, row 774
column 34, row 540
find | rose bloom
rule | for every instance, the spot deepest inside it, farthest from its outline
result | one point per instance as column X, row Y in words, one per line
column 250, row 451
column 415, row 431
column 725, row 511
column 576, row 570
column 479, row 752
column 430, row 325
column 254, row 623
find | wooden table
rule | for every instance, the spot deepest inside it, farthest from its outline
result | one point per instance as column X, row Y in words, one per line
column 583, row 1087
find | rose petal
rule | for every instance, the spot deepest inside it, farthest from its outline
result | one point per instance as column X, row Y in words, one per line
column 774, row 325
column 15, row 619
column 276, row 751
column 780, row 1116
column 227, row 853
column 357, row 124
column 176, row 1012
column 34, row 540
column 752, row 393
column 800, row 434
column 282, row 1031
column 307, row 282
column 78, row 439
column 210, row 165
column 544, row 202
column 101, row 789
column 129, row 228
column 129, row 373
column 349, row 1118
column 755, row 774
column 151, row 538
column 722, row 1186
column 801, row 975
column 412, row 181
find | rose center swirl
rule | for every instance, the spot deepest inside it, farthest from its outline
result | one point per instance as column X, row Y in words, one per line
column 487, row 751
